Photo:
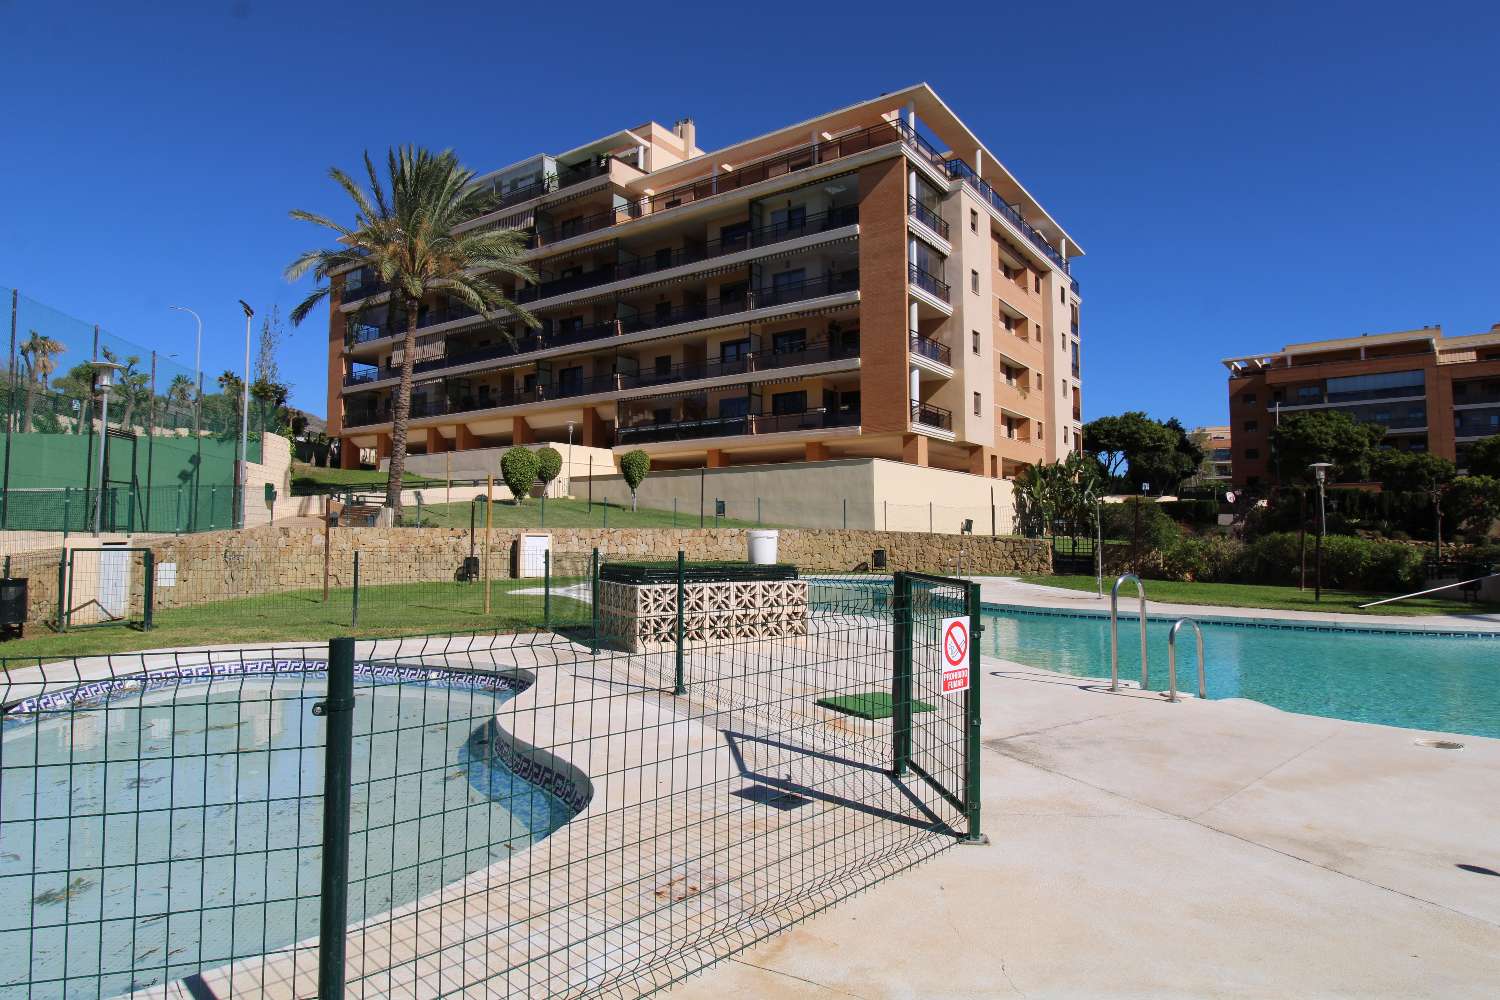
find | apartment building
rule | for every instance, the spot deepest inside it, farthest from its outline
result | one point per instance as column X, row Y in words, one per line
column 1430, row 392
column 868, row 283
column 1217, row 452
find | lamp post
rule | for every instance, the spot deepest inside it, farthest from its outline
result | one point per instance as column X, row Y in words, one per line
column 245, row 415
column 104, row 380
column 197, row 408
column 1320, row 470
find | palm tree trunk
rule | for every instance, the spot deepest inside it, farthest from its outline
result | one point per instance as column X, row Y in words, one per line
column 30, row 406
column 401, row 416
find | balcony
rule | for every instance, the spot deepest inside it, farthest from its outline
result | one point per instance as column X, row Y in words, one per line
column 752, row 239
column 753, row 424
column 960, row 169
column 932, row 416
column 586, row 171
column 929, row 283
column 764, row 297
column 361, row 284
column 926, row 217
column 931, row 349
column 779, row 165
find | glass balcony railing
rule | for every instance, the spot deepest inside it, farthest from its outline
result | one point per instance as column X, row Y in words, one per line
column 929, row 283
column 926, row 217
column 763, row 423
column 931, row 349
column 932, row 416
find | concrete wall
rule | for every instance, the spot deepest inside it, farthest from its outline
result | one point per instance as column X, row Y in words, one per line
column 476, row 463
column 881, row 495
column 275, row 468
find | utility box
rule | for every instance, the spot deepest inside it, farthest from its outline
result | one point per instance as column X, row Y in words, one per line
column 13, row 594
column 528, row 554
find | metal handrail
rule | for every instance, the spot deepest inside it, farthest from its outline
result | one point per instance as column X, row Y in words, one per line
column 1172, row 659
column 1430, row 590
column 1114, row 630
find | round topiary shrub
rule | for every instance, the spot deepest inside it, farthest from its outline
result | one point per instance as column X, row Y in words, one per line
column 518, row 467
column 634, row 465
column 548, row 464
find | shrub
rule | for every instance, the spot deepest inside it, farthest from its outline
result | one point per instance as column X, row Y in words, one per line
column 548, row 464
column 1157, row 530
column 1207, row 559
column 1349, row 563
column 518, row 467
column 1200, row 513
column 634, row 465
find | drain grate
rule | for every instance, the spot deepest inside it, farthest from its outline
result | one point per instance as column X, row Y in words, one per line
column 1438, row 744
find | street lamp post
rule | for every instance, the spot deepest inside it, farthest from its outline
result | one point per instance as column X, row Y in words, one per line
column 104, row 380
column 1320, row 470
column 197, row 411
column 245, row 416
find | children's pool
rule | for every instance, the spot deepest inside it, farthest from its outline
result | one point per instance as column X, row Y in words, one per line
column 161, row 832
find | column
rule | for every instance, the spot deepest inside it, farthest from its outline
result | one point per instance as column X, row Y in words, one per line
column 815, row 451
column 520, row 431
column 436, row 443
column 914, row 449
column 348, row 454
column 717, row 459
column 463, row 438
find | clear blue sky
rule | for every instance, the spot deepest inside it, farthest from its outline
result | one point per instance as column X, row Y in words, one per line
column 1240, row 178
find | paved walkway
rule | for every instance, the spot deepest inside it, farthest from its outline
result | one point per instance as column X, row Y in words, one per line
column 1011, row 590
column 1205, row 849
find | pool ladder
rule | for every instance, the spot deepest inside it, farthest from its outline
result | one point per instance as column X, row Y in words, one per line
column 1114, row 642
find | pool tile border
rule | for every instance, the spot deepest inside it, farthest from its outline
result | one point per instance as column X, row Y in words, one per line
column 1274, row 624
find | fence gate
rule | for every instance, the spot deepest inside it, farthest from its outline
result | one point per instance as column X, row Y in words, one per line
column 109, row 585
column 936, row 690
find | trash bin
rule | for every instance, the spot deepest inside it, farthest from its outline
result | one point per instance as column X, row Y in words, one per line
column 763, row 546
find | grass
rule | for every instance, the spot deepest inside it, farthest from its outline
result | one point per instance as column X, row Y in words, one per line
column 559, row 514
column 307, row 478
column 301, row 615
column 872, row 705
column 1244, row 595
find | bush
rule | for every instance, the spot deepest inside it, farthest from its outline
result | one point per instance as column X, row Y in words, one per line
column 518, row 467
column 1349, row 563
column 1199, row 513
column 1157, row 530
column 634, row 465
column 548, row 464
column 1207, row 559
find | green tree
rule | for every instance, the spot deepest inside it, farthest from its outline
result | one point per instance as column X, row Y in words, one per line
column 1324, row 436
column 1484, row 457
column 634, row 466
column 1473, row 503
column 1411, row 472
column 1132, row 450
column 409, row 231
column 548, row 465
column 518, row 467
column 1061, row 495
column 39, row 354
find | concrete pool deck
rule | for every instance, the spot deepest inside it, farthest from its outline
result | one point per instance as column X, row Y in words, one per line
column 1218, row 848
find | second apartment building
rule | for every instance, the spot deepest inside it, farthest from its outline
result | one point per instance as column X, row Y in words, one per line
column 869, row 283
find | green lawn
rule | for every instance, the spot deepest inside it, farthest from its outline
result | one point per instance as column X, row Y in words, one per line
column 387, row 610
column 1242, row 595
column 310, row 478
column 559, row 514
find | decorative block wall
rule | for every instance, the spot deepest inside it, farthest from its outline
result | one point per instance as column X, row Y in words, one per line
column 638, row 618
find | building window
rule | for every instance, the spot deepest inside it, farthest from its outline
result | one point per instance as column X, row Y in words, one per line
column 973, row 221
column 1252, row 425
column 789, row 341
column 1248, row 398
column 664, row 364
column 1009, row 321
column 789, row 402
column 974, row 336
column 974, row 280
column 978, row 406
column 1062, row 293
column 1252, row 453
column 1037, row 281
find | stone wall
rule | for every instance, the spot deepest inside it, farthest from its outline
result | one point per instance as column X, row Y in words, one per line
column 224, row 565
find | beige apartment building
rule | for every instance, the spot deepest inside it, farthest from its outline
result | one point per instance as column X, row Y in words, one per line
column 871, row 283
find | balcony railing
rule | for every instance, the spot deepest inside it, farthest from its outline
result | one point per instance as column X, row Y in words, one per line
column 932, row 349
column 927, row 217
column 361, row 284
column 835, row 218
column 578, row 173
column 929, row 283
column 932, row 416
column 764, row 423
column 960, row 169
column 765, row 297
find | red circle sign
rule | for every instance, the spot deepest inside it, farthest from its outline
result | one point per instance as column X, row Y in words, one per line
column 956, row 644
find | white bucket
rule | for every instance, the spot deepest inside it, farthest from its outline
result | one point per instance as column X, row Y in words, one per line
column 763, row 546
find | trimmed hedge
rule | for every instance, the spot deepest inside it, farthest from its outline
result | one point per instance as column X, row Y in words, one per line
column 1349, row 563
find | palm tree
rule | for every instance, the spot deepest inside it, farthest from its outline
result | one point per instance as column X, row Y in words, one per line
column 411, row 239
column 40, row 354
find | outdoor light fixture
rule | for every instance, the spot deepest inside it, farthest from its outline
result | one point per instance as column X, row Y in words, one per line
column 104, row 380
column 245, row 417
column 1320, row 470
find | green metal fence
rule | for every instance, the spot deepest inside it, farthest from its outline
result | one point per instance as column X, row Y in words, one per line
column 519, row 814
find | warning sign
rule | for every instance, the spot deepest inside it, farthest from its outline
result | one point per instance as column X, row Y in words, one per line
column 955, row 649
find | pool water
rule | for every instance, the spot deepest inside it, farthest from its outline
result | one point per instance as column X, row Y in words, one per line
column 178, row 830
column 1439, row 681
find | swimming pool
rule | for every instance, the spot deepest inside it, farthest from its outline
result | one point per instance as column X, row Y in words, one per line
column 171, row 828
column 1447, row 681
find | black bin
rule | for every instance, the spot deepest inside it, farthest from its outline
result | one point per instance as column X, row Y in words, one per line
column 878, row 560
column 12, row 605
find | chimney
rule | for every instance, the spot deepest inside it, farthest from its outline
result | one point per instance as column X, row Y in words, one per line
column 686, row 131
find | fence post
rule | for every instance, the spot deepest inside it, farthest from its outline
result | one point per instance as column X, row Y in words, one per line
column 606, row 512
column 338, row 709
column 679, row 687
column 758, row 523
column 67, row 510
column 546, row 586
column 177, row 517
column 929, row 517
column 971, row 710
column 62, row 591
column 846, row 513
column 149, row 560
column 594, row 602
column 674, row 512
column 213, row 505
column 901, row 657
column 354, row 607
